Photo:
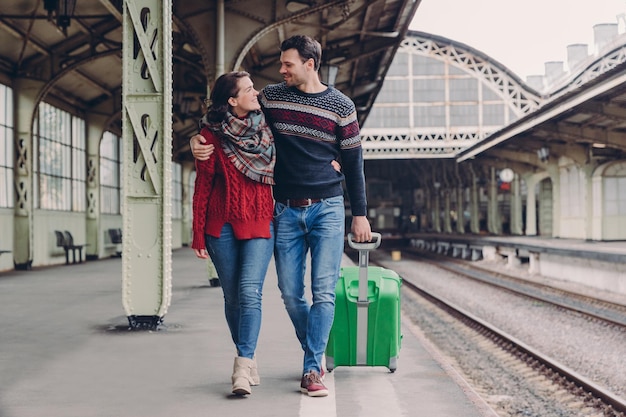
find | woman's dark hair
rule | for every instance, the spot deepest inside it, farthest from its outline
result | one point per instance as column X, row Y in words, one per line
column 224, row 88
column 308, row 48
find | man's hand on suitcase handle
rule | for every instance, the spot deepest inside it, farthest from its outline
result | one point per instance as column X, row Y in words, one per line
column 372, row 244
column 361, row 229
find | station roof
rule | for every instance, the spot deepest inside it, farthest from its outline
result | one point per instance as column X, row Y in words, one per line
column 585, row 120
column 77, row 53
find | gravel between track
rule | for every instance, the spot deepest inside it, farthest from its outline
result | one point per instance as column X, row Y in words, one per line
column 590, row 348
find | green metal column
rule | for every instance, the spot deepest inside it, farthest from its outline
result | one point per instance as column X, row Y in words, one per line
column 25, row 104
column 147, row 137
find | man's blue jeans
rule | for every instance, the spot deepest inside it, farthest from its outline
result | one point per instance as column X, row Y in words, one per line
column 241, row 267
column 320, row 229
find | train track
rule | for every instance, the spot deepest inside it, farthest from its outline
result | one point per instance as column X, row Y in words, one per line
column 593, row 308
column 592, row 394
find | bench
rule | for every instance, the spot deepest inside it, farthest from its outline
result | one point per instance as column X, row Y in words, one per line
column 65, row 240
column 115, row 240
column 115, row 236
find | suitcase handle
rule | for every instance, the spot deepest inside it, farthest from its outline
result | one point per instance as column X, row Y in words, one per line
column 372, row 244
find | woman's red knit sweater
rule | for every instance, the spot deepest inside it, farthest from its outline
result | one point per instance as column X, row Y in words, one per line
column 224, row 195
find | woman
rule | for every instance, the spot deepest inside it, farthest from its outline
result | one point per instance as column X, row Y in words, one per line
column 232, row 211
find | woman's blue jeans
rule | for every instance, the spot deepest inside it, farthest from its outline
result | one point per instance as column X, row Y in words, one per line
column 241, row 267
column 320, row 229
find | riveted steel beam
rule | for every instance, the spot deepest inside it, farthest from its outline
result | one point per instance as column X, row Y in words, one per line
column 147, row 137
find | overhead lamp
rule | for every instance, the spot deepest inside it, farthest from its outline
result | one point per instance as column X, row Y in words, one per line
column 50, row 6
column 328, row 74
column 62, row 10
column 543, row 154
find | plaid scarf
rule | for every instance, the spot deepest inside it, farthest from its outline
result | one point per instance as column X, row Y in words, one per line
column 248, row 143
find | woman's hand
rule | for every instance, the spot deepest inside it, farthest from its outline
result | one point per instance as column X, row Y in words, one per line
column 199, row 149
column 201, row 253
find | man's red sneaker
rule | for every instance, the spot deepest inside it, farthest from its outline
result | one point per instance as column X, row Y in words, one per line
column 312, row 385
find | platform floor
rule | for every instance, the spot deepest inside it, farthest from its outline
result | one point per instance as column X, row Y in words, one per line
column 65, row 351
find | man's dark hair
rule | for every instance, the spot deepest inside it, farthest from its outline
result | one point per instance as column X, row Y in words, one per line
column 307, row 47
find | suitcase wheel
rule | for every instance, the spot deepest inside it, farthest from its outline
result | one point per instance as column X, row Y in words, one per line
column 330, row 364
column 393, row 364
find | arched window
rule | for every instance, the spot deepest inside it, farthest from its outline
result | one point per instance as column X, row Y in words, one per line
column 60, row 172
column 110, row 174
column 615, row 190
column 6, row 146
column 439, row 97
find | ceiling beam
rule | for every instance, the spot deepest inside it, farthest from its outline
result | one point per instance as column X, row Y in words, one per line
column 112, row 9
column 36, row 45
column 608, row 110
column 528, row 158
column 65, row 48
column 103, row 89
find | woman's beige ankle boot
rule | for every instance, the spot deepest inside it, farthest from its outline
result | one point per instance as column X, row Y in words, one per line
column 241, row 375
column 255, row 379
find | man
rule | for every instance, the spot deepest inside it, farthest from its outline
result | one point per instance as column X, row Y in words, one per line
column 313, row 125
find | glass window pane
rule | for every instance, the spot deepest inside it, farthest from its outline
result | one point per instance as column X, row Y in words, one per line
column 430, row 116
column 399, row 65
column 454, row 70
column 61, row 160
column 394, row 91
column 427, row 66
column 389, row 117
column 463, row 115
column 6, row 146
column 489, row 94
column 110, row 173
column 493, row 114
column 621, row 187
column 464, row 89
column 429, row 90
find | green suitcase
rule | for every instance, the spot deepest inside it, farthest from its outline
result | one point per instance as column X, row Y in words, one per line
column 366, row 329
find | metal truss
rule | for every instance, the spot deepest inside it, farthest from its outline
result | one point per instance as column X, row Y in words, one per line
column 416, row 142
column 416, row 146
column 512, row 90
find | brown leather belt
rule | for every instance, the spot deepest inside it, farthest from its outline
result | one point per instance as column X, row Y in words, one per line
column 300, row 202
